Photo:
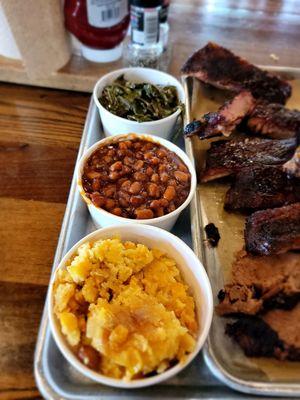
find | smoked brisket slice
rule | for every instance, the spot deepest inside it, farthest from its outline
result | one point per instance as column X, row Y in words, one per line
column 261, row 283
column 276, row 334
column 221, row 68
column 229, row 157
column 261, row 187
column 273, row 231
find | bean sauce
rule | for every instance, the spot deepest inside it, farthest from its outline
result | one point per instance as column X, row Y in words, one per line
column 136, row 179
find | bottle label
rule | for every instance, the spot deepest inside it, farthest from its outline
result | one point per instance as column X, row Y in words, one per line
column 145, row 25
column 106, row 13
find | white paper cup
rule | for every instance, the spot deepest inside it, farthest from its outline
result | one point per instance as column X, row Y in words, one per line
column 192, row 272
column 112, row 124
column 103, row 218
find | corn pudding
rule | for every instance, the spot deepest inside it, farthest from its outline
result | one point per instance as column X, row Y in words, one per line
column 124, row 309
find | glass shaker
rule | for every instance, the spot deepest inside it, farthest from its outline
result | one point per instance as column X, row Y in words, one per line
column 145, row 47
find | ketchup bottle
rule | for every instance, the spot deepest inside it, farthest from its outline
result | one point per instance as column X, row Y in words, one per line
column 100, row 26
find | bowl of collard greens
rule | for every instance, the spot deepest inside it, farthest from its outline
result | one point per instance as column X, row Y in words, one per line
column 139, row 100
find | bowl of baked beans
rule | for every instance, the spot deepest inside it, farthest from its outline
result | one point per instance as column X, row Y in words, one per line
column 163, row 127
column 136, row 178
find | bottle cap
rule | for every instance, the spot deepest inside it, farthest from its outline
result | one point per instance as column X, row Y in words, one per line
column 102, row 56
column 146, row 3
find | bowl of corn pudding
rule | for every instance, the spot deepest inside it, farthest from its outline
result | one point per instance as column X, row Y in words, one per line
column 130, row 305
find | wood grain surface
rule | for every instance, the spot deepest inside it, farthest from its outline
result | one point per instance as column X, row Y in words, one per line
column 256, row 29
column 40, row 132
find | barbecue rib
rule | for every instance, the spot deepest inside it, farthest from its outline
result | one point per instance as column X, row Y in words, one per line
column 274, row 121
column 261, row 283
column 261, row 187
column 271, row 120
column 273, row 231
column 225, row 120
column 229, row 157
column 221, row 68
column 276, row 334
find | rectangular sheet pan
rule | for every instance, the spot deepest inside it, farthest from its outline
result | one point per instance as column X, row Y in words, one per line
column 55, row 377
column 225, row 359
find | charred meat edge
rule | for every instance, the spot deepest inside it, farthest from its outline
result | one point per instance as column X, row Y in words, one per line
column 223, row 69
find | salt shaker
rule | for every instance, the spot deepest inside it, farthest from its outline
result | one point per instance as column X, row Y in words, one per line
column 145, row 47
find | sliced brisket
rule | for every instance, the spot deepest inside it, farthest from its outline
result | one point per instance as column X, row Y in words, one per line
column 276, row 334
column 261, row 283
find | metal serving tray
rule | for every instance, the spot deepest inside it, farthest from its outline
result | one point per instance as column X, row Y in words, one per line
column 225, row 360
column 55, row 377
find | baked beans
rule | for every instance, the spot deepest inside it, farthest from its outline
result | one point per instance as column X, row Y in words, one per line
column 136, row 178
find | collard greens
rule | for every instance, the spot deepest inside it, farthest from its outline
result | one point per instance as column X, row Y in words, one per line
column 140, row 101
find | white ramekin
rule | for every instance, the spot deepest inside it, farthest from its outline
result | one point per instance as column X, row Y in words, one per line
column 193, row 274
column 112, row 124
column 103, row 218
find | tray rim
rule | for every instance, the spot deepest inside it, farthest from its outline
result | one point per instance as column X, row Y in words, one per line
column 41, row 381
column 241, row 385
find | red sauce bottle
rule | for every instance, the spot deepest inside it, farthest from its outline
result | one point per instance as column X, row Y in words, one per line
column 100, row 26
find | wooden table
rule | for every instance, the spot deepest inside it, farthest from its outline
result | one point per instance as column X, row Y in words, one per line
column 256, row 29
column 40, row 131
